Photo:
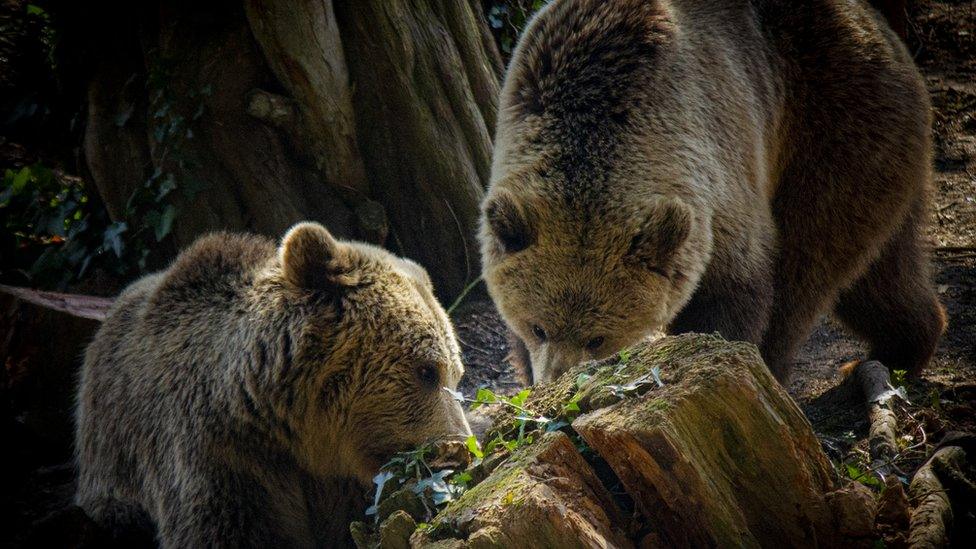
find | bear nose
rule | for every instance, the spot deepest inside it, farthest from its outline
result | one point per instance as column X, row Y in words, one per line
column 457, row 424
column 561, row 361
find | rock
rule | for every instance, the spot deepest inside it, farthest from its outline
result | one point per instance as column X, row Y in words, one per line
column 894, row 513
column 854, row 509
column 403, row 499
column 481, row 471
column 361, row 534
column 718, row 456
column 546, row 495
column 450, row 454
column 395, row 531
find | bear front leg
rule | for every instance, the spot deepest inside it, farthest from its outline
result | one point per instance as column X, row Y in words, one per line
column 225, row 509
column 735, row 305
column 122, row 524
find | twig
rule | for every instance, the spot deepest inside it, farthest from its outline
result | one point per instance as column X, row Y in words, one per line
column 464, row 241
column 954, row 249
column 473, row 347
column 464, row 293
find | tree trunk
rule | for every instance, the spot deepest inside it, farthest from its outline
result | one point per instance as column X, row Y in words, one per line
column 896, row 12
column 372, row 117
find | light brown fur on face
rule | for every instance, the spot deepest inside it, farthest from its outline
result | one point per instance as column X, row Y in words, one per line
column 246, row 395
column 730, row 166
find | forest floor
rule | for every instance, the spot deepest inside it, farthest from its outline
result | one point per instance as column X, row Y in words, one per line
column 943, row 41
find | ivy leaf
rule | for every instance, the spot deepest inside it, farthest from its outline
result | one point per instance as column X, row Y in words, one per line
column 111, row 238
column 20, row 180
column 582, row 378
column 165, row 225
column 572, row 405
column 519, row 399
column 167, row 186
column 380, row 481
column 473, row 447
column 483, row 396
column 462, row 479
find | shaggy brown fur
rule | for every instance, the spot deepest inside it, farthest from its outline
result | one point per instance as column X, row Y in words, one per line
column 244, row 396
column 710, row 165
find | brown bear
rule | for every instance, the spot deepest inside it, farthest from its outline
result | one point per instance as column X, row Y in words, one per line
column 243, row 395
column 710, row 165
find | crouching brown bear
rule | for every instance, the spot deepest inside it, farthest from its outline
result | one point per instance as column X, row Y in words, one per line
column 710, row 165
column 239, row 397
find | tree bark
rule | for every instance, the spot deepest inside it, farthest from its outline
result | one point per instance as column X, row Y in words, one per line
column 425, row 103
column 373, row 117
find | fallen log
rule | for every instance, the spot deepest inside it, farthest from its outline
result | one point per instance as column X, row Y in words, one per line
column 82, row 306
column 875, row 383
column 42, row 340
column 932, row 517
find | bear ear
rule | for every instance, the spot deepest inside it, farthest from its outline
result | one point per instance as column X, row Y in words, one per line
column 664, row 230
column 313, row 259
column 509, row 223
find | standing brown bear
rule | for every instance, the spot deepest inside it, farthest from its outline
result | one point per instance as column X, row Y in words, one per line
column 710, row 165
column 244, row 395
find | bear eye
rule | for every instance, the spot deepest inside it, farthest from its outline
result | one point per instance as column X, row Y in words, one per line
column 428, row 375
column 538, row 332
column 594, row 343
column 659, row 271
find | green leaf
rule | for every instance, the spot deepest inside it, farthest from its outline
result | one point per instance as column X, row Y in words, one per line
column 111, row 238
column 21, row 179
column 462, row 479
column 898, row 378
column 165, row 222
column 519, row 399
column 582, row 378
column 483, row 396
column 167, row 186
column 572, row 405
column 854, row 473
column 474, row 447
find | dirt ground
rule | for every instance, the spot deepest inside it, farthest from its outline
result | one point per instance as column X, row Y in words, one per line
column 942, row 36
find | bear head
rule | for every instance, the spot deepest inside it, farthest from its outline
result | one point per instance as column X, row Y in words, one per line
column 374, row 349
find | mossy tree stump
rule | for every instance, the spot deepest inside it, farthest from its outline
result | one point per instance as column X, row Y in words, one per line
column 719, row 455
